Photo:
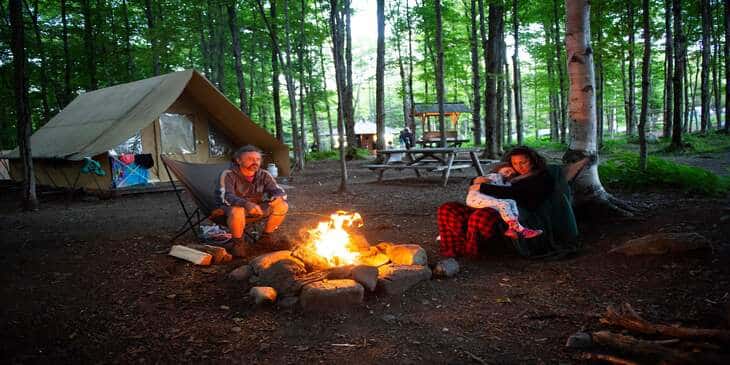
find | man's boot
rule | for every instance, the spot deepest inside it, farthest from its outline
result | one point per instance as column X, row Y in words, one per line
column 237, row 247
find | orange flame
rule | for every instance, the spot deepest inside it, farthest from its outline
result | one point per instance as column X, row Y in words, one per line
column 332, row 242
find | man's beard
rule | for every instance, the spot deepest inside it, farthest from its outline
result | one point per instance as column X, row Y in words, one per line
column 252, row 167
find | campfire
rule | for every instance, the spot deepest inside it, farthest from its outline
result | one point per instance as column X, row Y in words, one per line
column 332, row 266
column 331, row 241
column 336, row 242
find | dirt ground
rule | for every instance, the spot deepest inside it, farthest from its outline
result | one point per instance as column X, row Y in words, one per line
column 89, row 280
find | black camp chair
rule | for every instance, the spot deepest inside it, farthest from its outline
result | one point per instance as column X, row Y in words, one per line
column 202, row 181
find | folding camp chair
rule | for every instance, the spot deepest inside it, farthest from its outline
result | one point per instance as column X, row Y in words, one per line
column 202, row 181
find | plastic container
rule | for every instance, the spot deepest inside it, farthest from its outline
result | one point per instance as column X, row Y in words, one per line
column 272, row 169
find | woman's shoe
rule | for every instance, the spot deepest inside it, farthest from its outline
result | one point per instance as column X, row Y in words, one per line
column 530, row 233
column 511, row 233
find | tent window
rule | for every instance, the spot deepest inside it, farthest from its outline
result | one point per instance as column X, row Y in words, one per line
column 218, row 143
column 132, row 145
column 176, row 134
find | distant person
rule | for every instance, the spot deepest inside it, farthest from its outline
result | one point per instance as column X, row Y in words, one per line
column 406, row 138
column 502, row 175
column 242, row 192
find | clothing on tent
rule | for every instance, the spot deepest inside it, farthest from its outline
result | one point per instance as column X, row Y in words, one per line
column 127, row 175
column 92, row 167
column 127, row 158
column 144, row 160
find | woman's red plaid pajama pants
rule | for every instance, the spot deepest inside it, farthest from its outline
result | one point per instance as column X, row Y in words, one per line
column 461, row 228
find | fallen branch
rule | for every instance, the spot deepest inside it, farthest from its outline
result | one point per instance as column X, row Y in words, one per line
column 629, row 319
column 607, row 358
column 631, row 345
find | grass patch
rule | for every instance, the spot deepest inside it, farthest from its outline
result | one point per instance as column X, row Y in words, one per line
column 697, row 143
column 623, row 172
column 544, row 144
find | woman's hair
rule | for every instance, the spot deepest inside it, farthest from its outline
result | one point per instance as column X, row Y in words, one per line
column 500, row 166
column 538, row 162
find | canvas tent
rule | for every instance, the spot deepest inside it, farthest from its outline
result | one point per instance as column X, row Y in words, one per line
column 180, row 115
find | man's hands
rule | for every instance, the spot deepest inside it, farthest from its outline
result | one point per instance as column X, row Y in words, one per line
column 474, row 187
column 256, row 210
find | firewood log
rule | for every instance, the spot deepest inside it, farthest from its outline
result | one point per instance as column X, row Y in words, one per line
column 631, row 345
column 192, row 255
column 630, row 320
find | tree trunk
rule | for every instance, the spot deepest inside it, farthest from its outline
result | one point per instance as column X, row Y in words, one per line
column 686, row 83
column 516, row 74
column 645, row 83
column 22, row 106
column 599, row 80
column 233, row 25
column 500, row 93
column 337, row 29
column 349, row 110
column 669, row 63
column 316, row 139
column 89, row 45
column 678, row 77
column 326, row 98
column 705, row 82
column 494, row 71
column 475, row 82
column 554, row 104
column 380, row 78
column 42, row 56
column 582, row 112
column 220, row 64
column 296, row 141
column 275, row 86
column 631, row 116
column 562, row 104
column 693, row 99
column 66, row 58
column 440, row 73
column 152, row 36
column 127, row 42
column 410, row 68
column 301, row 47
column 508, row 93
column 402, row 72
column 727, row 68
column 715, row 77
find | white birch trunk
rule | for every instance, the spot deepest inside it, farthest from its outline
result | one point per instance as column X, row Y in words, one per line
column 582, row 107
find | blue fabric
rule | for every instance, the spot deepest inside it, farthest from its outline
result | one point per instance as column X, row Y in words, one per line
column 128, row 175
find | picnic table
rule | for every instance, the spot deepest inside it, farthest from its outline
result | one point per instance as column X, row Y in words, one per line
column 433, row 143
column 442, row 159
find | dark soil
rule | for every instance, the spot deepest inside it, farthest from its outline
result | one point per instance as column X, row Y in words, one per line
column 88, row 280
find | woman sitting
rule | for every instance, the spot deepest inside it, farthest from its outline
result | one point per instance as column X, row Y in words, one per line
column 543, row 199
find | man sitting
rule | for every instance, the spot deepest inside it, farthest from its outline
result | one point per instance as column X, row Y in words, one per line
column 241, row 193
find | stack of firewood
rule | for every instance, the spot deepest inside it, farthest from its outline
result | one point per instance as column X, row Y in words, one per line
column 644, row 342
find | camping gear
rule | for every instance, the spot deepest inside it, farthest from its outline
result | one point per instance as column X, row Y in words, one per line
column 272, row 169
column 179, row 115
column 202, row 182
